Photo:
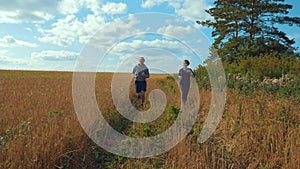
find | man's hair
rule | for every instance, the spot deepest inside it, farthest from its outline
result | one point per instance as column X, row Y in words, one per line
column 187, row 62
column 142, row 58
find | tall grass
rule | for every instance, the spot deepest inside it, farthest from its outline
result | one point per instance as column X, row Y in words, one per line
column 39, row 128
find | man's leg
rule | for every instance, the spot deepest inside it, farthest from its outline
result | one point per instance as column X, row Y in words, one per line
column 144, row 88
column 143, row 97
column 137, row 89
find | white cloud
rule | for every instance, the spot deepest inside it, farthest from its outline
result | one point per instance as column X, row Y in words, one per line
column 19, row 17
column 62, row 33
column 9, row 41
column 126, row 49
column 90, row 27
column 179, row 31
column 51, row 55
column 157, row 59
column 140, row 44
column 114, row 8
column 28, row 29
column 15, row 11
column 68, row 7
column 2, row 52
column 30, row 11
column 9, row 62
column 6, row 60
column 94, row 6
column 117, row 30
column 152, row 3
column 194, row 10
column 3, row 58
column 189, row 9
column 69, row 29
column 294, row 36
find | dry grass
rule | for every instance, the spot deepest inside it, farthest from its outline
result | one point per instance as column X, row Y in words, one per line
column 255, row 132
column 39, row 128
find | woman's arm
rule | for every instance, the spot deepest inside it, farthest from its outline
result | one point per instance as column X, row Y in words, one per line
column 192, row 73
column 180, row 74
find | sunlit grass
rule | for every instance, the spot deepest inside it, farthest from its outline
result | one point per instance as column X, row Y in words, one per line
column 39, row 127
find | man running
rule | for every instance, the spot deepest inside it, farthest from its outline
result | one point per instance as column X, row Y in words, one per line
column 141, row 73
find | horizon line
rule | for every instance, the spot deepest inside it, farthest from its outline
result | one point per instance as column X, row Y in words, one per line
column 68, row 71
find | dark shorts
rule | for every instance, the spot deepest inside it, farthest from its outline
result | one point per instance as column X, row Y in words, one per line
column 140, row 86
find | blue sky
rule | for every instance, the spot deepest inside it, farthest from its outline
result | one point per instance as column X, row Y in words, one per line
column 50, row 35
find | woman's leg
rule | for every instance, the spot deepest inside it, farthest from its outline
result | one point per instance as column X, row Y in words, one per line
column 184, row 92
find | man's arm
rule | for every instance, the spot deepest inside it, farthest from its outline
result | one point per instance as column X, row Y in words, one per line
column 134, row 72
column 147, row 74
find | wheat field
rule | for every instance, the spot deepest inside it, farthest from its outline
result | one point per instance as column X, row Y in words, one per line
column 39, row 127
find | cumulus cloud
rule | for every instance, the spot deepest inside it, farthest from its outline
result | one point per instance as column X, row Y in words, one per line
column 142, row 44
column 3, row 59
column 114, row 8
column 2, row 52
column 65, row 31
column 152, row 3
column 158, row 59
column 179, row 31
column 69, row 29
column 110, row 35
column 9, row 41
column 51, row 55
column 118, row 30
column 194, row 10
column 189, row 9
column 68, row 7
column 15, row 63
column 15, row 11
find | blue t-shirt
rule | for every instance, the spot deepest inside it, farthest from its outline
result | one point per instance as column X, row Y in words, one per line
column 138, row 70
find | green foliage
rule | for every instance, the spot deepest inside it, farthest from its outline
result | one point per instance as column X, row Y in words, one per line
column 172, row 113
column 240, row 48
column 169, row 84
column 202, row 77
column 264, row 66
column 151, row 129
column 11, row 133
column 269, row 73
column 52, row 114
column 248, row 28
column 118, row 122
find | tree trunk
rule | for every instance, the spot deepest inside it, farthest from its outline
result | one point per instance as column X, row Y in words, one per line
column 252, row 22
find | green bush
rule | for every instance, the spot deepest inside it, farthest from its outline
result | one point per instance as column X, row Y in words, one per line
column 269, row 73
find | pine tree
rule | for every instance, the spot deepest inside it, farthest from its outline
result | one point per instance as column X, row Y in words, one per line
column 249, row 27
